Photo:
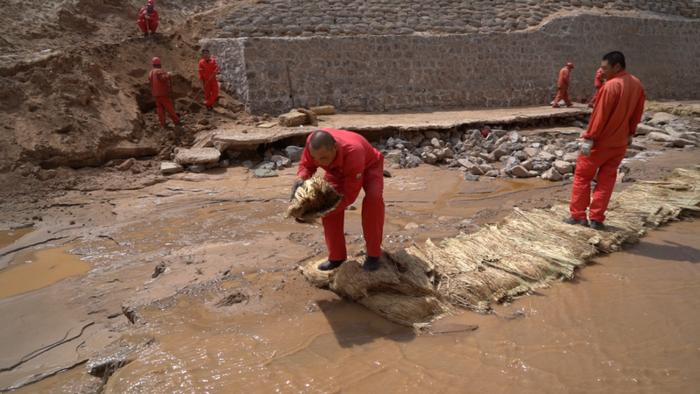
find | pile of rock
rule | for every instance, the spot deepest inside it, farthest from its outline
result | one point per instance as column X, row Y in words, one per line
column 492, row 153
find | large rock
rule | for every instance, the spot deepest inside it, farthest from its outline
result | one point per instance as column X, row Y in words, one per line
column 393, row 156
column 471, row 167
column 323, row 110
column 661, row 137
column 551, row 175
column 531, row 152
column 411, row 161
column 572, row 157
column 502, row 150
column 197, row 156
column 546, row 156
column 169, row 168
column 661, row 118
column 294, row 152
column 520, row 172
column 510, row 163
column 281, row 161
column 293, row 118
column 563, row 167
column 643, row 129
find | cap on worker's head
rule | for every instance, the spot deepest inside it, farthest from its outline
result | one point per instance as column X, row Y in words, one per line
column 570, row 65
column 149, row 2
column 155, row 61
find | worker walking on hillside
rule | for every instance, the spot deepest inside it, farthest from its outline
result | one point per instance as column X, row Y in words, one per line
column 351, row 163
column 160, row 89
column 208, row 69
column 598, row 82
column 148, row 19
column 563, row 86
column 613, row 124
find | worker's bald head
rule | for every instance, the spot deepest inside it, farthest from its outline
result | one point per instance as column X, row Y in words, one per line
column 322, row 147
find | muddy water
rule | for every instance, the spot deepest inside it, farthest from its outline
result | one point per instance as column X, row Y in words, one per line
column 35, row 270
column 7, row 237
column 627, row 324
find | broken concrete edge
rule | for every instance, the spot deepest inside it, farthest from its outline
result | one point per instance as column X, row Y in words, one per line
column 225, row 140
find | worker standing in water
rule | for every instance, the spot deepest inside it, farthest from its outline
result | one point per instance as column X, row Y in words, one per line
column 563, row 86
column 208, row 70
column 612, row 126
column 351, row 163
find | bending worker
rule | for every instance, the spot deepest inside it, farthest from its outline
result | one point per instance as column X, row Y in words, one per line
column 351, row 163
column 613, row 124
column 563, row 86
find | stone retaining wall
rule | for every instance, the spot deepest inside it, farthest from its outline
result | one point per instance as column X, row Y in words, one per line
column 390, row 73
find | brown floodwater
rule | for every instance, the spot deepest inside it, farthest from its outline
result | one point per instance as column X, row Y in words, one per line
column 8, row 237
column 628, row 323
column 35, row 270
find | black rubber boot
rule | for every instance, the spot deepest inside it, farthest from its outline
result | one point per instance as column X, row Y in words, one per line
column 596, row 225
column 371, row 264
column 582, row 222
column 329, row 265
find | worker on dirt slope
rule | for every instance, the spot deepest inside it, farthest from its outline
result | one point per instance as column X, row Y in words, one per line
column 563, row 86
column 160, row 88
column 208, row 69
column 613, row 124
column 148, row 19
column 598, row 82
column 351, row 163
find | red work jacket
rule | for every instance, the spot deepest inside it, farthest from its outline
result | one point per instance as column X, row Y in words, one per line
column 354, row 154
column 617, row 112
column 207, row 69
column 160, row 82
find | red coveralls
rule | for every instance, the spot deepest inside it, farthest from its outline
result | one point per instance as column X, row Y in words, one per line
column 614, row 119
column 147, row 23
column 598, row 82
column 357, row 165
column 563, row 87
column 160, row 88
column 207, row 74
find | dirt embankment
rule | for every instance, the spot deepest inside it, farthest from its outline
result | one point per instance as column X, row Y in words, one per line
column 74, row 77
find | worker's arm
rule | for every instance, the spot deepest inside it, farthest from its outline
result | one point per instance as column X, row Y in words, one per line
column 609, row 96
column 154, row 16
column 307, row 166
column 353, row 169
column 637, row 114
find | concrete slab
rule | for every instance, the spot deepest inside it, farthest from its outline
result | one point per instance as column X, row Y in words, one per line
column 233, row 136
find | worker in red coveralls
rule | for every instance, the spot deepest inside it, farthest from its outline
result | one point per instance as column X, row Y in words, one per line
column 613, row 124
column 351, row 164
column 148, row 19
column 160, row 89
column 208, row 69
column 598, row 83
column 563, row 86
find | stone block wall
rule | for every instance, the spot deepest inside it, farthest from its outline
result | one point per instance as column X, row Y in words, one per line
column 393, row 73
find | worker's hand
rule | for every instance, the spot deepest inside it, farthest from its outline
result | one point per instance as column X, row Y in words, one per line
column 295, row 186
column 586, row 146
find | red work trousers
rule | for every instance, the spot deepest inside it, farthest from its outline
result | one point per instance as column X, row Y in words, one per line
column 211, row 92
column 372, row 216
column 605, row 161
column 562, row 94
column 148, row 25
column 163, row 103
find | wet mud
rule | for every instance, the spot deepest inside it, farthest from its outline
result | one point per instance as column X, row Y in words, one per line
column 229, row 309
